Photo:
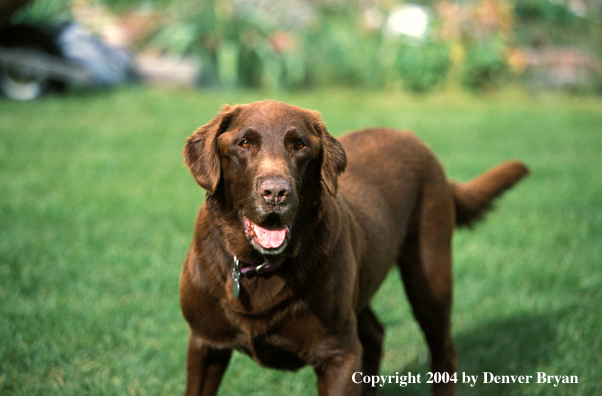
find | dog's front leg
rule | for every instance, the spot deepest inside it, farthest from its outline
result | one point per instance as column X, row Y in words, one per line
column 205, row 367
column 336, row 372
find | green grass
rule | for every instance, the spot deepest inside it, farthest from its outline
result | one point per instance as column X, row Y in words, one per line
column 96, row 214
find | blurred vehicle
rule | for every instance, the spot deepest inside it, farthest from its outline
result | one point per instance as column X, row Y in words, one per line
column 35, row 60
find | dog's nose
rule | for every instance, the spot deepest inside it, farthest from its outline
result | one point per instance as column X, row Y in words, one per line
column 274, row 190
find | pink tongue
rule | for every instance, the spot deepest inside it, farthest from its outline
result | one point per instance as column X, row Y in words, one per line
column 271, row 237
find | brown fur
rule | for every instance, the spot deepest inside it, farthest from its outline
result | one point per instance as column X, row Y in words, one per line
column 355, row 206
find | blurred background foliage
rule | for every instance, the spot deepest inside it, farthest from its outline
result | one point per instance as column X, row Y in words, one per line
column 479, row 45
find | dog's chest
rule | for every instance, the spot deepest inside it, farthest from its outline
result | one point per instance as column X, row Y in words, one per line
column 281, row 340
column 269, row 354
column 283, row 346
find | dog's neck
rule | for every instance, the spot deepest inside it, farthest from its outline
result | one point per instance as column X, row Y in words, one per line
column 252, row 269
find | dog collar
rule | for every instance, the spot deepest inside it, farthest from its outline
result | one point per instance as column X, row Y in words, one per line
column 261, row 269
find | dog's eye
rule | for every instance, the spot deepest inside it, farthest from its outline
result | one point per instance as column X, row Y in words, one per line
column 245, row 144
column 299, row 145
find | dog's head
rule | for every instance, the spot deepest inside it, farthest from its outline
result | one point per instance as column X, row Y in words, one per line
column 265, row 160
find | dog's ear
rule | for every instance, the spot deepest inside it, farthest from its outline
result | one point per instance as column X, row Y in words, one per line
column 334, row 159
column 201, row 152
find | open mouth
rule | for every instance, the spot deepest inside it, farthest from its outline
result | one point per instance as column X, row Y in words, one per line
column 267, row 239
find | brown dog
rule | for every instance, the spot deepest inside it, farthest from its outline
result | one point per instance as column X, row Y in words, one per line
column 288, row 249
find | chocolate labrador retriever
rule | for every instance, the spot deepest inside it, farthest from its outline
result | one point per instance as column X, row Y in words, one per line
column 297, row 232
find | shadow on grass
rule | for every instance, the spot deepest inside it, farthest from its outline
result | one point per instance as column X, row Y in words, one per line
column 514, row 346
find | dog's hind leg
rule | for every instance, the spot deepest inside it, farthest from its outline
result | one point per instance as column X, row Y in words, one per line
column 425, row 264
column 371, row 334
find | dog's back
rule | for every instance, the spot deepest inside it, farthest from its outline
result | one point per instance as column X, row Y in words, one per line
column 389, row 173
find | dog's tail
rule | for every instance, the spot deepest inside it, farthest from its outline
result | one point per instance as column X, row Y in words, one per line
column 474, row 198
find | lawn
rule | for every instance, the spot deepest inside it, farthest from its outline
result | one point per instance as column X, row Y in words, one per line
column 97, row 210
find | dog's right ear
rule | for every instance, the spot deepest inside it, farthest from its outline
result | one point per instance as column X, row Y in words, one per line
column 201, row 152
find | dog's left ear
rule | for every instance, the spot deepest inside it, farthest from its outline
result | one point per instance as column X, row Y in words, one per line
column 334, row 158
column 201, row 152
